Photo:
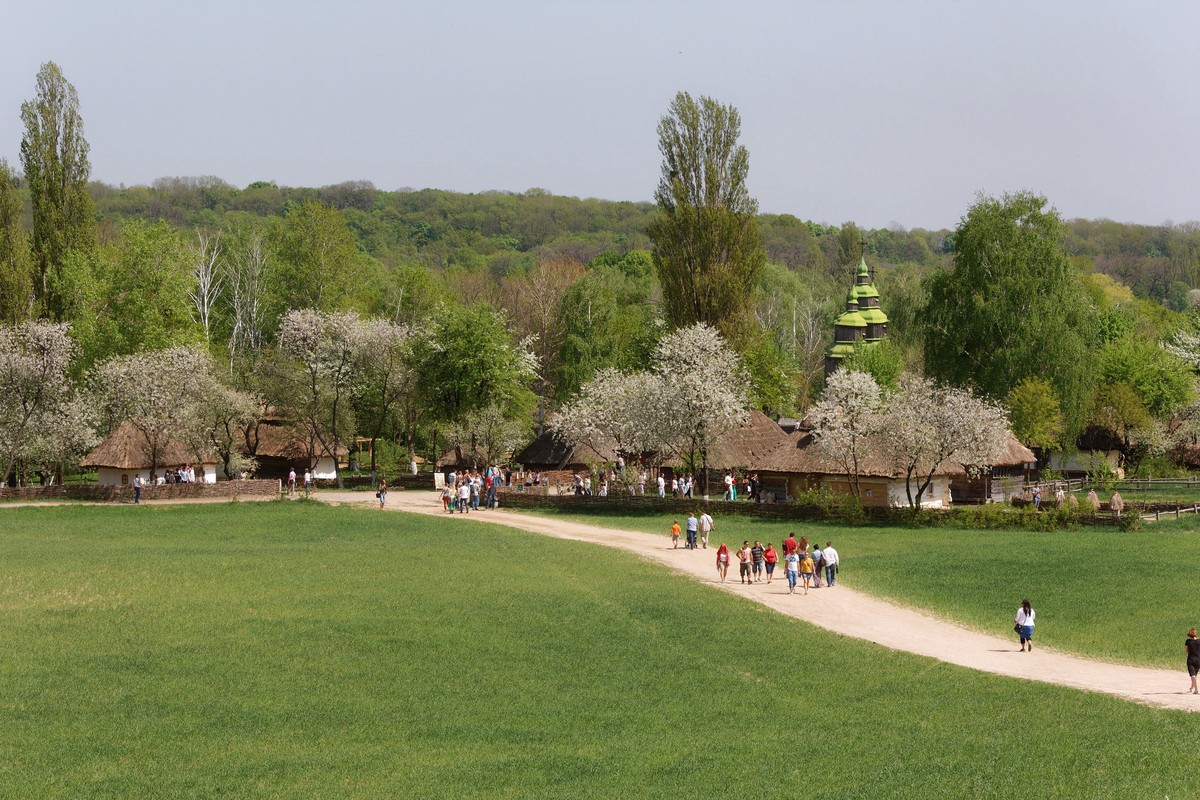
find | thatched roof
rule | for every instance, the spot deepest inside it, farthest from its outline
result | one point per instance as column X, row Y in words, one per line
column 547, row 451
column 277, row 438
column 744, row 446
column 1015, row 454
column 126, row 447
column 799, row 456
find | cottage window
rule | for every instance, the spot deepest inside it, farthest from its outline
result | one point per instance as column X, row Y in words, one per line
column 870, row 492
column 124, row 479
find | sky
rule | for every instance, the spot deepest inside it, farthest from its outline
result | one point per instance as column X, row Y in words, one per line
column 884, row 113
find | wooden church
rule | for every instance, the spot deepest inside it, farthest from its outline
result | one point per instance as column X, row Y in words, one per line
column 862, row 324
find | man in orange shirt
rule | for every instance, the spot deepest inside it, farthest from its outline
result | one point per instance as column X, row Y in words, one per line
column 675, row 530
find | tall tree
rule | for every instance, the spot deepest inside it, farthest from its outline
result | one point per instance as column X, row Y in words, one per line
column 54, row 154
column 34, row 361
column 1012, row 307
column 707, row 247
column 846, row 419
column 318, row 258
column 16, row 280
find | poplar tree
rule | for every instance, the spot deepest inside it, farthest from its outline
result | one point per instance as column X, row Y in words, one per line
column 16, row 283
column 54, row 154
column 707, row 247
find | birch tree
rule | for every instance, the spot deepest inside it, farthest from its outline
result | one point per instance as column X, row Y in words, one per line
column 846, row 419
column 928, row 426
column 246, row 266
column 209, row 279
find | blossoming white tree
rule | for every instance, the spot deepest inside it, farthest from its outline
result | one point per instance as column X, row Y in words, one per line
column 161, row 392
column 928, row 425
column 706, row 390
column 34, row 360
column 319, row 368
column 694, row 393
column 846, row 419
column 388, row 377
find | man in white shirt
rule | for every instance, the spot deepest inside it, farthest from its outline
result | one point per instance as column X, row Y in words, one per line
column 831, row 563
column 706, row 527
column 662, row 486
column 728, row 485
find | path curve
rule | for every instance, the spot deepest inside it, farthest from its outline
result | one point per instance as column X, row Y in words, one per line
column 846, row 611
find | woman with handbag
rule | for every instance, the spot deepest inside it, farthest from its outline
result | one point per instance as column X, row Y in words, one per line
column 1024, row 625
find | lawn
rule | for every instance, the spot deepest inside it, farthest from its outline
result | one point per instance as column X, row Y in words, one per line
column 295, row 650
column 1102, row 593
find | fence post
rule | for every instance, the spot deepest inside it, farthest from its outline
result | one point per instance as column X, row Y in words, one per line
column 1156, row 516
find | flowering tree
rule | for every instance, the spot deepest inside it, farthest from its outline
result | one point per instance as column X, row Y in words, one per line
column 224, row 413
column 694, row 393
column 34, row 359
column 706, row 390
column 928, row 425
column 387, row 377
column 846, row 419
column 161, row 392
column 319, row 366
column 487, row 435
column 627, row 410
column 60, row 435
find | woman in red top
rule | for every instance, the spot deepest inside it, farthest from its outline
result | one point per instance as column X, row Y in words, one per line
column 769, row 558
column 722, row 561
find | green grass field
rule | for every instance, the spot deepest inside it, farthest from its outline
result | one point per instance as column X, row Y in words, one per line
column 295, row 650
column 1115, row 596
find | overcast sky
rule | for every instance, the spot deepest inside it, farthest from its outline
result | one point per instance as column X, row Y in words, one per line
column 869, row 111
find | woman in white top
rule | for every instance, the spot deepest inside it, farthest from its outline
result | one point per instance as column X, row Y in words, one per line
column 1024, row 620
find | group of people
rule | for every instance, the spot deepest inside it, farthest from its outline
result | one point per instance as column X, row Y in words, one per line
column 698, row 527
column 804, row 566
column 308, row 482
column 464, row 491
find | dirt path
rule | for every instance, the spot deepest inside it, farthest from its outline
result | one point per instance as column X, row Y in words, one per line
column 848, row 612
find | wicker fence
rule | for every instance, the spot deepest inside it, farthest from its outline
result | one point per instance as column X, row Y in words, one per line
column 124, row 494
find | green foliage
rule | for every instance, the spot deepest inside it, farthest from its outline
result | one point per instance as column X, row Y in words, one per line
column 1012, row 307
column 707, row 246
column 1034, row 413
column 1161, row 381
column 881, row 360
column 1101, row 474
column 319, row 265
column 608, row 320
column 16, row 276
column 130, row 295
column 54, row 154
column 844, row 507
column 468, row 363
column 772, row 376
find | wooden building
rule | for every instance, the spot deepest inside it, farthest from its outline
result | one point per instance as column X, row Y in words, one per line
column 280, row 446
column 125, row 453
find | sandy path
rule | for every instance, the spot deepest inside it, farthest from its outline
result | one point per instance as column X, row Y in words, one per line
column 848, row 612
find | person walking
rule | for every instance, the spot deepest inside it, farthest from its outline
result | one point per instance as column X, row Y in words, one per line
column 291, row 481
column 831, row 564
column 792, row 562
column 1192, row 646
column 790, row 545
column 464, row 497
column 662, row 485
column 137, row 489
column 1024, row 625
column 770, row 557
column 675, row 535
column 447, row 500
column 757, row 553
column 693, row 524
column 706, row 527
column 307, row 482
column 806, row 570
column 818, row 564
column 722, row 561
column 382, row 493
column 744, row 558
